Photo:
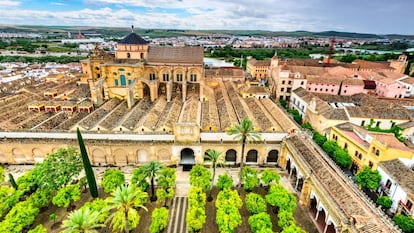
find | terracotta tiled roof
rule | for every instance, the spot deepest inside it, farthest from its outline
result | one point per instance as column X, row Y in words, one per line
column 371, row 65
column 353, row 81
column 392, row 112
column 158, row 54
column 403, row 175
column 259, row 62
column 390, row 140
column 133, row 38
column 255, row 90
column 409, row 80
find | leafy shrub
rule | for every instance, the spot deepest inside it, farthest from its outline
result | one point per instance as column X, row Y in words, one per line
column 269, row 176
column 112, row 178
column 384, row 201
column 255, row 203
column 259, row 222
column 159, row 220
column 200, row 176
column 224, row 181
column 250, row 178
column 66, row 195
column 38, row 229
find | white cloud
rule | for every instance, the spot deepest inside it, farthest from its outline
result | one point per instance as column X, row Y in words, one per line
column 9, row 3
column 58, row 4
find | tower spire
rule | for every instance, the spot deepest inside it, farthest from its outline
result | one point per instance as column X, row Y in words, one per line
column 132, row 28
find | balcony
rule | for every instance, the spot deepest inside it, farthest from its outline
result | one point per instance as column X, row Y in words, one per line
column 406, row 209
column 385, row 189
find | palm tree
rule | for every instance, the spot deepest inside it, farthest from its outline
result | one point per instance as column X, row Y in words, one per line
column 82, row 221
column 151, row 170
column 125, row 199
column 243, row 132
column 216, row 159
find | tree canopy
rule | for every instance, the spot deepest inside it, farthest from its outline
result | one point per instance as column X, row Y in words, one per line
column 368, row 178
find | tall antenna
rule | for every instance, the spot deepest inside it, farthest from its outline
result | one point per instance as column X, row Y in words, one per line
column 331, row 48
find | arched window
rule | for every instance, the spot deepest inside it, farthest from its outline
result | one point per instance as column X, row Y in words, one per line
column 193, row 77
column 165, row 77
column 179, row 77
column 128, row 55
column 123, row 80
column 151, row 76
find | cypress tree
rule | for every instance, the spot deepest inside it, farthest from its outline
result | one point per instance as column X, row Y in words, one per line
column 88, row 168
column 12, row 181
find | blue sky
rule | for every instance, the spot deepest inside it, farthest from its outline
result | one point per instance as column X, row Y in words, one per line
column 369, row 16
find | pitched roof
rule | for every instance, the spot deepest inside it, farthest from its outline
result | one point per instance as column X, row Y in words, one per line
column 133, row 38
column 403, row 175
column 160, row 54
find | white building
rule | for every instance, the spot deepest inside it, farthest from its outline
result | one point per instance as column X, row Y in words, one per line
column 397, row 183
column 408, row 83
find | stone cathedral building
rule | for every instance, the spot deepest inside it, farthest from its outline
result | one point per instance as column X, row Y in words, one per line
column 138, row 69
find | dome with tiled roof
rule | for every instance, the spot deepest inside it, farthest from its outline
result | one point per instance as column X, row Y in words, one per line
column 133, row 38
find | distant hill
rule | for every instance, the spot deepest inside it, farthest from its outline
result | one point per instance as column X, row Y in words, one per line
column 119, row 32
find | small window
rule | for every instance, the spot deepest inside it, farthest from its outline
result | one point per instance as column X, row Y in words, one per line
column 346, row 146
column 165, row 77
column 283, row 82
column 282, row 89
column 116, row 82
column 290, row 82
column 152, row 76
column 362, row 123
column 129, row 74
column 128, row 55
column 193, row 78
column 301, row 83
column 121, row 69
column 179, row 77
column 115, row 74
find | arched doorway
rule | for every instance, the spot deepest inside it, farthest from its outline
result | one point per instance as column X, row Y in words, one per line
column 299, row 185
column 123, row 80
column 312, row 206
column 162, row 89
column 330, row 228
column 187, row 159
column 231, row 156
column 273, row 156
column 146, row 90
column 251, row 156
column 320, row 221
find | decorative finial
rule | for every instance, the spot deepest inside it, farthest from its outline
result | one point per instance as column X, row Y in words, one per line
column 132, row 28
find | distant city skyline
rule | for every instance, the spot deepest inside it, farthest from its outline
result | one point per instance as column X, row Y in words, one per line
column 362, row 16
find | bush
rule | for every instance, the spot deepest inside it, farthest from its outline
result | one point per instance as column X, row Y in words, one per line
column 405, row 223
column 385, row 202
column 200, row 176
column 112, row 179
column 20, row 216
column 38, row 229
column 368, row 178
column 224, row 182
column 255, row 203
column 250, row 178
column 228, row 218
column 269, row 176
column 66, row 195
column 195, row 218
column 330, row 147
column 285, row 219
column 342, row 158
column 319, row 138
column 159, row 220
column 259, row 222
column 280, row 197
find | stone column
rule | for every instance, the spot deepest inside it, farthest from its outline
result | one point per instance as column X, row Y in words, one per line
column 304, row 197
column 169, row 91
column 184, row 90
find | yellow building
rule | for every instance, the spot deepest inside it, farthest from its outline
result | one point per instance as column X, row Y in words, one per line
column 138, row 70
column 257, row 68
column 368, row 148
